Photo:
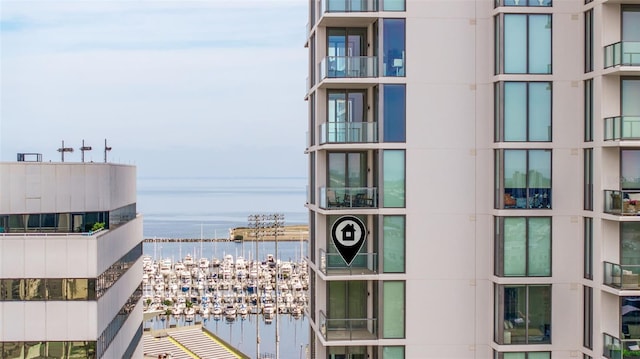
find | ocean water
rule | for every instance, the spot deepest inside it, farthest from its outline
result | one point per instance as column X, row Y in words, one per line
column 208, row 208
column 186, row 207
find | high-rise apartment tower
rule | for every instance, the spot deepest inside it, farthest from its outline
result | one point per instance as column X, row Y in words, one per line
column 489, row 149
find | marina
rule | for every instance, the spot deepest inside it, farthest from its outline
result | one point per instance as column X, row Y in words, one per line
column 184, row 290
column 230, row 287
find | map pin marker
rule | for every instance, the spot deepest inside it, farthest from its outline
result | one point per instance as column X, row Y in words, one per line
column 348, row 234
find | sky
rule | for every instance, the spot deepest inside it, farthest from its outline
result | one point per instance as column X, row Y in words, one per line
column 178, row 88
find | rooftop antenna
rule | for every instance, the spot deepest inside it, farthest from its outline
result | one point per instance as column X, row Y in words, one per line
column 63, row 149
column 106, row 149
column 84, row 148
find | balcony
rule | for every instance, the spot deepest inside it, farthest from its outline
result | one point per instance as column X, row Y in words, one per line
column 614, row 348
column 624, row 277
column 348, row 6
column 349, row 67
column 623, row 53
column 348, row 197
column 363, row 264
column 622, row 203
column 349, row 132
column 622, row 128
column 348, row 329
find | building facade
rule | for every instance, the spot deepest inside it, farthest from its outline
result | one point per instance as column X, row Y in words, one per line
column 70, row 267
column 490, row 147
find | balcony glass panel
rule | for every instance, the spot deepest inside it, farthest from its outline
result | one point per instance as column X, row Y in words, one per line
column 622, row 202
column 348, row 329
column 622, row 128
column 363, row 263
column 624, row 53
column 348, row 5
column 621, row 276
column 349, row 197
column 349, row 132
column 349, row 67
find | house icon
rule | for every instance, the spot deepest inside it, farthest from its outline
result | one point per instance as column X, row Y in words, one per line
column 348, row 232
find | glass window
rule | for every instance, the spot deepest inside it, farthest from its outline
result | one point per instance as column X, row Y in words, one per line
column 523, row 178
column 78, row 289
column 587, row 324
column 13, row 350
column 56, row 289
column 588, row 40
column 588, row 110
column 35, row 349
column 347, row 300
column 629, row 311
column 393, row 352
column 393, row 47
column 393, row 309
column 630, row 168
column 56, row 350
column 334, row 259
column 629, row 243
column 35, row 289
column 394, row 244
column 588, row 179
column 394, row 97
column 538, row 3
column 522, row 355
column 393, row 5
column 523, row 246
column 523, row 314
column 526, row 43
column 394, row 178
column 523, row 111
column 630, row 91
column 630, row 23
column 12, row 289
column 588, row 248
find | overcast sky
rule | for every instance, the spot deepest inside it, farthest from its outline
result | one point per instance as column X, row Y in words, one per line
column 179, row 88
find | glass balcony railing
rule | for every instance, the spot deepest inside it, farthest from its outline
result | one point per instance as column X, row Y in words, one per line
column 348, row 328
column 621, row 276
column 615, row 348
column 348, row 197
column 348, row 5
column 349, row 67
column 625, row 203
column 622, row 128
column 349, row 132
column 333, row 264
column 624, row 53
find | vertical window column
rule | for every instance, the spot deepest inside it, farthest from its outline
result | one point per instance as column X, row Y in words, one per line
column 393, row 47
column 523, row 43
column 393, row 191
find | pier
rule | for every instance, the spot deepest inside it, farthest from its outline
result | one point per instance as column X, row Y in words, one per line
column 239, row 234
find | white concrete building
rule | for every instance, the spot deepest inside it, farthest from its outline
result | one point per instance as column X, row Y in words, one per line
column 68, row 289
column 490, row 147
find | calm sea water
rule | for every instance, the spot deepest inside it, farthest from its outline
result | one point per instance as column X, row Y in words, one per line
column 209, row 207
column 183, row 207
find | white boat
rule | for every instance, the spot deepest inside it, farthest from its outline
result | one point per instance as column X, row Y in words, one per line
column 243, row 310
column 216, row 310
column 203, row 264
column 230, row 310
column 165, row 266
column 188, row 261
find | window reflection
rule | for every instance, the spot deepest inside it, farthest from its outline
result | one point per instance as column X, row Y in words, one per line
column 56, row 289
column 35, row 289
